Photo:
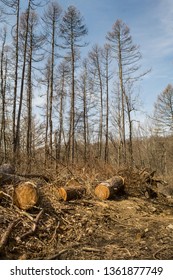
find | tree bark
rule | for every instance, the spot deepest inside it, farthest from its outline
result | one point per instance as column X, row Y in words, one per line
column 6, row 178
column 16, row 76
column 71, row 192
column 110, row 188
column 17, row 136
column 3, row 72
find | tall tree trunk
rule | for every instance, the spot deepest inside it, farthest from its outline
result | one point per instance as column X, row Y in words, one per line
column 85, row 120
column 51, row 90
column 96, row 59
column 5, row 138
column 17, row 137
column 122, row 99
column 129, row 110
column 47, row 116
column 101, row 114
column 61, row 117
column 56, row 150
column 107, row 110
column 29, row 106
column 72, row 110
column 16, row 77
column 3, row 93
column 71, row 31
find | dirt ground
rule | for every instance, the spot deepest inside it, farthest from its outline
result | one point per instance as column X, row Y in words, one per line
column 127, row 228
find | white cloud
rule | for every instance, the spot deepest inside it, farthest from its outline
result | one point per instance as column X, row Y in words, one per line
column 165, row 11
column 154, row 30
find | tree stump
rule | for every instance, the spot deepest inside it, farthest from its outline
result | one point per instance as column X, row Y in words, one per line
column 71, row 192
column 110, row 188
column 25, row 195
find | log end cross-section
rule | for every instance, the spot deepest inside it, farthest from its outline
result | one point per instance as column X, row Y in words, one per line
column 25, row 195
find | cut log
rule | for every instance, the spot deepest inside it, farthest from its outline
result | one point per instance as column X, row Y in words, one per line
column 71, row 192
column 25, row 195
column 6, row 179
column 31, row 176
column 110, row 188
column 15, row 179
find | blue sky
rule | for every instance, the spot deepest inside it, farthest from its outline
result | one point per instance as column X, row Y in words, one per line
column 151, row 26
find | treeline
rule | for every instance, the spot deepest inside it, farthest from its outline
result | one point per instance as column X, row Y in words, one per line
column 87, row 104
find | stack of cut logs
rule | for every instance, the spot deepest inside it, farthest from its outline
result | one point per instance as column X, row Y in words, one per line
column 26, row 194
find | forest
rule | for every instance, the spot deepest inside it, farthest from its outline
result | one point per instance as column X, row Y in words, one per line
column 85, row 106
column 80, row 176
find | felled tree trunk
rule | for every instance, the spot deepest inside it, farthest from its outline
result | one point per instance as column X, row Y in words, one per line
column 71, row 192
column 25, row 195
column 6, row 179
column 110, row 188
column 7, row 168
column 14, row 179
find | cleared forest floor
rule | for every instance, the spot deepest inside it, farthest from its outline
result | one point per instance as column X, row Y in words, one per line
column 124, row 228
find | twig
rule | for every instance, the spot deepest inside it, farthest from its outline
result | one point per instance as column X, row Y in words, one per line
column 6, row 235
column 89, row 249
column 54, row 234
column 23, row 213
column 4, row 194
column 57, row 255
column 34, row 227
column 95, row 203
column 158, row 251
column 127, row 251
column 120, row 223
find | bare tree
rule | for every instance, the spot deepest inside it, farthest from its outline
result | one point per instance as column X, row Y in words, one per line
column 96, row 67
column 47, row 80
column 127, row 56
column 163, row 111
column 61, row 89
column 16, row 74
column 17, row 135
column 14, row 6
column 3, row 77
column 51, row 21
column 35, row 41
column 84, row 103
column 108, row 75
column 72, row 31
